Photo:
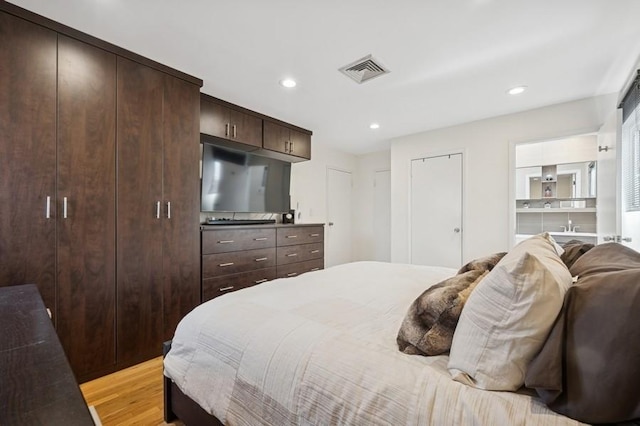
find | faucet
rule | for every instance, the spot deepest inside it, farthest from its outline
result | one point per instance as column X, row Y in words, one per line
column 569, row 227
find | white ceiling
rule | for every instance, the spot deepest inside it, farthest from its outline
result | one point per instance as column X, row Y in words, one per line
column 451, row 61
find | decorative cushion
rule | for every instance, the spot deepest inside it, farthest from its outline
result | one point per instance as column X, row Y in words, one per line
column 508, row 316
column 588, row 367
column 428, row 326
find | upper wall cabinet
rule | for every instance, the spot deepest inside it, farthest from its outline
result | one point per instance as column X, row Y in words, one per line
column 235, row 127
column 286, row 140
column 228, row 124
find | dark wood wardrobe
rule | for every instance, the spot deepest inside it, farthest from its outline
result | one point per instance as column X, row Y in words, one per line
column 99, row 185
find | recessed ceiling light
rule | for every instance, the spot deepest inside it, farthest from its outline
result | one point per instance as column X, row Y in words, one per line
column 517, row 90
column 374, row 126
column 288, row 83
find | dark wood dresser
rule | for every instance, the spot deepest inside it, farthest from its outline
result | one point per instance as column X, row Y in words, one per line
column 235, row 257
column 37, row 386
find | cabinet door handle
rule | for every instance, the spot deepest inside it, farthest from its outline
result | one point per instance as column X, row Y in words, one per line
column 292, row 236
column 64, row 207
column 226, row 264
column 315, row 251
column 226, row 288
column 314, row 269
column 292, row 274
column 292, row 254
column 235, row 133
column 226, row 129
column 158, row 210
column 260, row 239
column 291, row 147
column 261, row 259
column 168, row 209
column 286, row 146
column 264, row 280
column 314, row 235
column 225, row 241
column 47, row 213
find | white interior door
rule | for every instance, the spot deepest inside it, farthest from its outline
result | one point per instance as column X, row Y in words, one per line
column 436, row 211
column 382, row 215
column 607, row 193
column 338, row 247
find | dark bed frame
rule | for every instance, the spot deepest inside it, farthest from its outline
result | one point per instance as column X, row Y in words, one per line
column 179, row 406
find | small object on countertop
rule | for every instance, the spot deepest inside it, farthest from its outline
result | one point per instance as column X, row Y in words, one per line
column 547, row 205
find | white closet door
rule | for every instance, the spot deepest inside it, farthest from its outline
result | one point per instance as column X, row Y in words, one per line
column 382, row 216
column 436, row 211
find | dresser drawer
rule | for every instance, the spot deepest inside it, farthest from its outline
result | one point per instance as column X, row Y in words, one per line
column 299, row 268
column 234, row 262
column 288, row 236
column 214, row 287
column 299, row 253
column 227, row 240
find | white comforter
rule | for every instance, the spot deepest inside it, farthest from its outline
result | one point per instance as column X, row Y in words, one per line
column 320, row 349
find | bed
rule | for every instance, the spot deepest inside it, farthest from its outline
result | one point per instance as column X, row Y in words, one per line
column 320, row 349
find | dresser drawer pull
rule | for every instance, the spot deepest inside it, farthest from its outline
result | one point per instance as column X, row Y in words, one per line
column 225, row 242
column 264, row 280
column 314, row 235
column 227, row 288
column 292, row 236
column 292, row 274
column 225, row 264
column 260, row 239
column 315, row 251
column 314, row 269
column 261, row 259
column 292, row 254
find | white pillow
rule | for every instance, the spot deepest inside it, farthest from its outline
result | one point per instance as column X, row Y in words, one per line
column 508, row 316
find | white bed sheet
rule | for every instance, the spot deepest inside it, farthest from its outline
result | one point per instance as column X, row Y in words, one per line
column 320, row 349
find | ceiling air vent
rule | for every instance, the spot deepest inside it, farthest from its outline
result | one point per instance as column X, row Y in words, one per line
column 364, row 69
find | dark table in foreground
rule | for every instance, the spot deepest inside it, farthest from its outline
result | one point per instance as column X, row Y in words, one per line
column 37, row 386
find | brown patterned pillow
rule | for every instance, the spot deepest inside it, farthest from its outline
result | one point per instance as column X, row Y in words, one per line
column 428, row 326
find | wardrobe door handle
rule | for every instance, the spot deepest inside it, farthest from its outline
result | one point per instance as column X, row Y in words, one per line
column 292, row 254
column 314, row 235
column 47, row 214
column 226, row 264
column 315, row 251
column 261, row 259
column 64, row 207
column 226, row 288
column 226, row 129
column 314, row 269
column 260, row 239
column 235, row 133
column 264, row 280
column 168, row 209
column 292, row 274
column 292, row 236
column 225, row 241
column 291, row 147
column 158, row 210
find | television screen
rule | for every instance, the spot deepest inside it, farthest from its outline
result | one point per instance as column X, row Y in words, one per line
column 235, row 181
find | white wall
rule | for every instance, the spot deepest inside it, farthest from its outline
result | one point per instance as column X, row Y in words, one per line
column 488, row 151
column 364, row 234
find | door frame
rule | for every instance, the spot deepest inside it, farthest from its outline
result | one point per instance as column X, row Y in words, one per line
column 326, row 228
column 512, row 173
column 463, row 201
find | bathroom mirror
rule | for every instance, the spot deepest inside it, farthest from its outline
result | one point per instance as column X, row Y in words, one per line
column 570, row 180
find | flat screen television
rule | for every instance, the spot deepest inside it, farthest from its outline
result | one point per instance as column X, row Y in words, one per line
column 236, row 181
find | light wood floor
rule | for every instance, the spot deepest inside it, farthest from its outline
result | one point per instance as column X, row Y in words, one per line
column 129, row 397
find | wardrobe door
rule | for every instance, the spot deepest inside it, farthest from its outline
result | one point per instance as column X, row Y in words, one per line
column 139, row 212
column 27, row 155
column 86, row 196
column 181, row 244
